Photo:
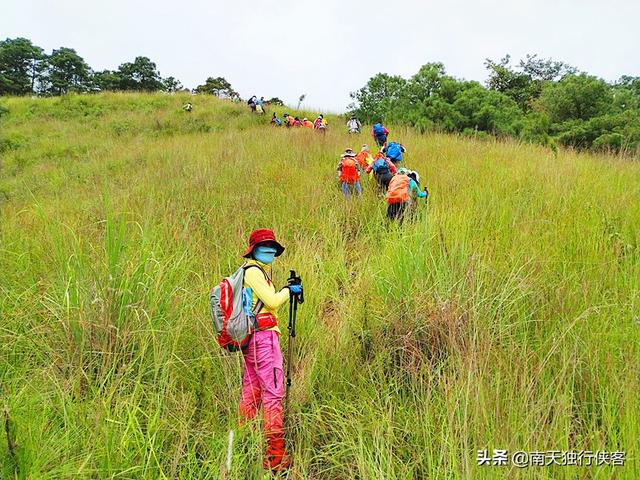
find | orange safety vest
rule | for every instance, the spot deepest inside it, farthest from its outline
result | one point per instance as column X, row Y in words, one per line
column 349, row 172
column 398, row 191
column 362, row 159
column 308, row 124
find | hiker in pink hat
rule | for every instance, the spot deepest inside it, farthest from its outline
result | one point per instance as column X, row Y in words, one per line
column 263, row 379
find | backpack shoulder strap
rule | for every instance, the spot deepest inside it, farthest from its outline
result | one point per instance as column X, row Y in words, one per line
column 247, row 267
column 259, row 303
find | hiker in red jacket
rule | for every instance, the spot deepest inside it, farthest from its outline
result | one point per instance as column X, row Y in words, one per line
column 263, row 378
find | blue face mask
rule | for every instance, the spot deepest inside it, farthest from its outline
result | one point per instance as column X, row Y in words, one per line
column 264, row 254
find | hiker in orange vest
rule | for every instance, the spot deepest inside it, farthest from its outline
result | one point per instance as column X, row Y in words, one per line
column 307, row 123
column 364, row 157
column 399, row 194
column 349, row 174
column 263, row 378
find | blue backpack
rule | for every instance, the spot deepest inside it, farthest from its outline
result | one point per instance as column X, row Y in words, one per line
column 394, row 151
column 380, row 166
column 378, row 130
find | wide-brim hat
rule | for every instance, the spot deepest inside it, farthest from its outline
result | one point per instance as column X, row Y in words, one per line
column 263, row 236
column 348, row 152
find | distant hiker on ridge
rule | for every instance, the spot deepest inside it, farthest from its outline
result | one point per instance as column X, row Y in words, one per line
column 260, row 105
column 320, row 124
column 354, row 125
column 252, row 103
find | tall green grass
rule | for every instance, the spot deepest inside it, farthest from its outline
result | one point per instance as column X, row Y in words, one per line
column 505, row 316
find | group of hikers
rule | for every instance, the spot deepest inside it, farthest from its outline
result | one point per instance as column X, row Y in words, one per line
column 320, row 123
column 244, row 307
column 399, row 185
column 257, row 105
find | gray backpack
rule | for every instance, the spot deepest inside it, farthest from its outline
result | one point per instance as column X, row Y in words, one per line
column 233, row 318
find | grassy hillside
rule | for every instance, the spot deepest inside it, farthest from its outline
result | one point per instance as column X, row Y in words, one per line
column 505, row 317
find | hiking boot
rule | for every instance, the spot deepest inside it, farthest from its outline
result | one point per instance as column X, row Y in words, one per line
column 277, row 463
column 275, row 457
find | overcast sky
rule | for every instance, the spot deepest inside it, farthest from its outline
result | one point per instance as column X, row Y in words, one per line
column 329, row 48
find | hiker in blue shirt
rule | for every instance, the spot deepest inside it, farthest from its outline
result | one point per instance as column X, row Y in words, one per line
column 379, row 134
column 394, row 151
column 275, row 121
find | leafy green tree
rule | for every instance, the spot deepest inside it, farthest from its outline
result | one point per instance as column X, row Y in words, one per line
column 380, row 99
column 65, row 71
column 539, row 100
column 141, row 74
column 575, row 97
column 106, row 80
column 172, row 84
column 218, row 86
column 435, row 114
column 487, row 110
column 545, row 69
column 632, row 84
column 525, row 85
column 20, row 66
column 504, row 79
column 609, row 142
column 431, row 93
column 427, row 82
column 535, row 128
column 625, row 98
column 275, row 101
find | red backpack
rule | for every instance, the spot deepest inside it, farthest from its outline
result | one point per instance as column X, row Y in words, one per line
column 349, row 170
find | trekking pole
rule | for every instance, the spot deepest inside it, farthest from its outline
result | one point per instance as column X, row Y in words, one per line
column 294, row 300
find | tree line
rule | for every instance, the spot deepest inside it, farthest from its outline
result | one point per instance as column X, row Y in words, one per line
column 25, row 69
column 538, row 100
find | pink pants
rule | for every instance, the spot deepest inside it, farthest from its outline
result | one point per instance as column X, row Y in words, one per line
column 263, row 384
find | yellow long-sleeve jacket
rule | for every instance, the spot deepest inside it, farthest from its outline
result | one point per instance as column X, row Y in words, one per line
column 263, row 289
